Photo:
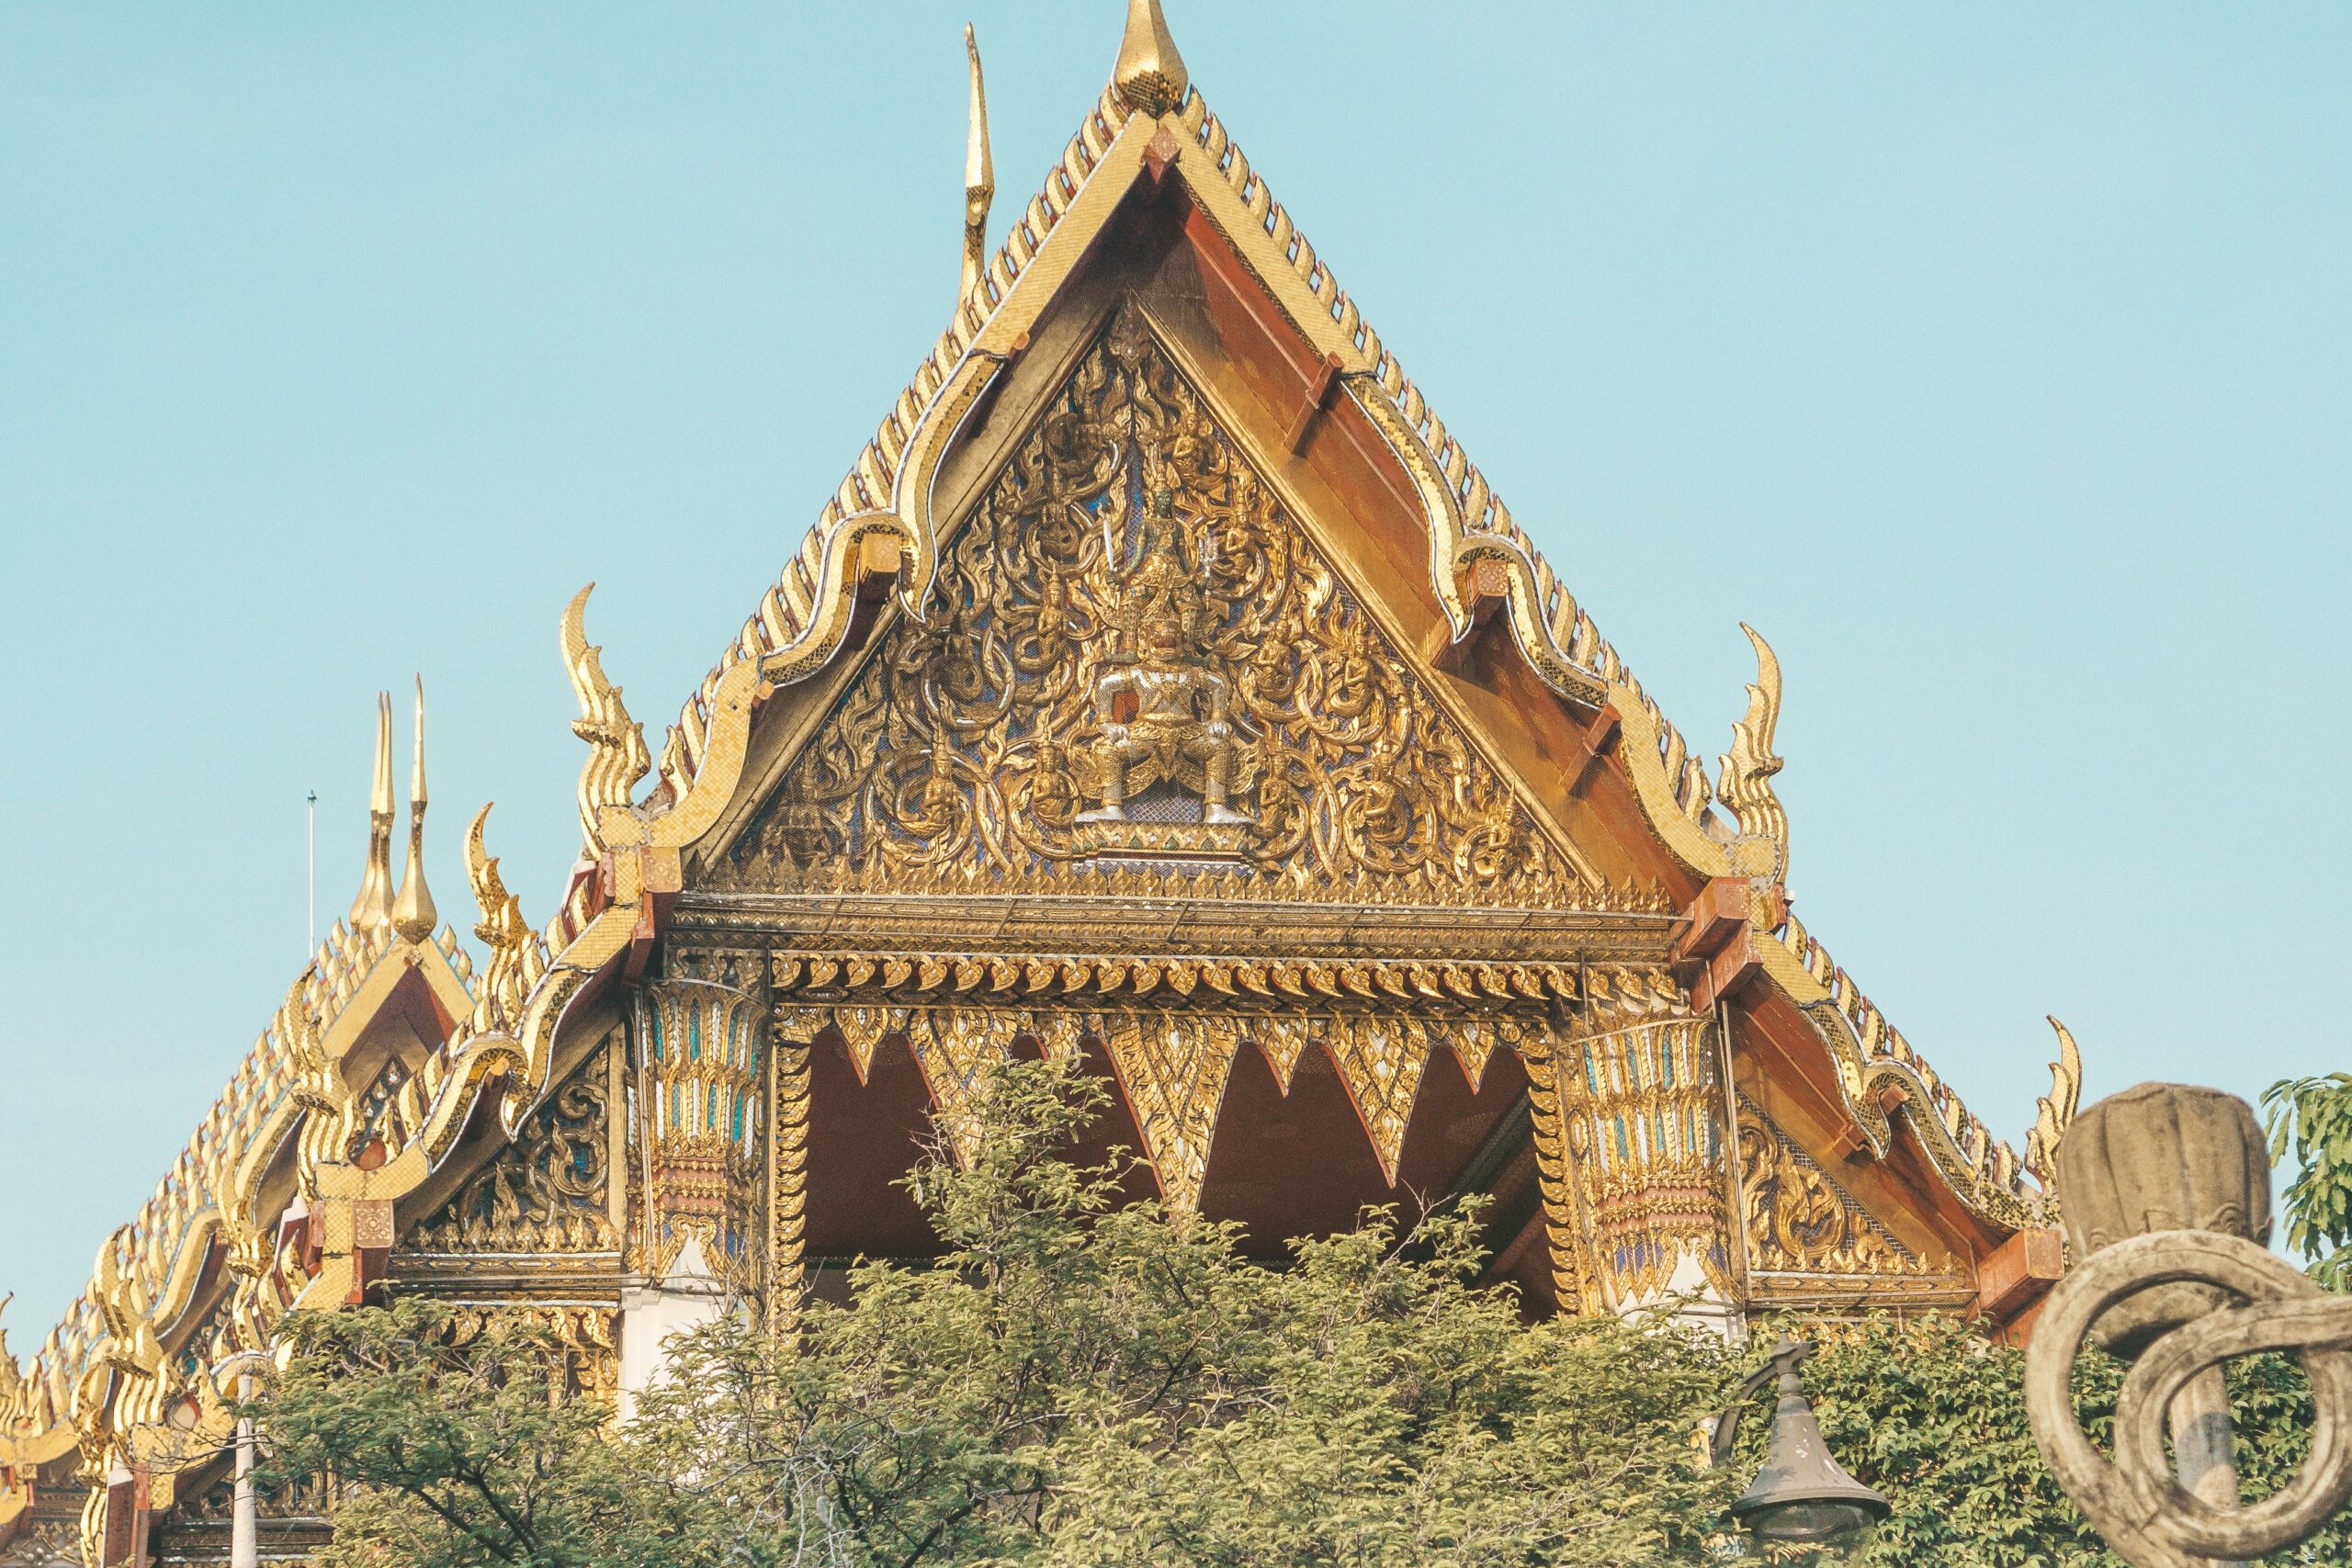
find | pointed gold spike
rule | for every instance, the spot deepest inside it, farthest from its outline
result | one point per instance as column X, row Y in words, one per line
column 1149, row 74
column 413, row 915
column 371, row 910
column 1744, row 783
column 2055, row 1112
column 979, row 176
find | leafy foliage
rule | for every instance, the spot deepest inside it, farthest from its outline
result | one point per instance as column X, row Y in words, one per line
column 1933, row 1416
column 2314, row 1116
column 1079, row 1383
column 472, row 1454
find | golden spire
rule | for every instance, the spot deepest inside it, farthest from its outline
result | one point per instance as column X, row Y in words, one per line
column 979, row 176
column 413, row 915
column 371, row 912
column 1149, row 73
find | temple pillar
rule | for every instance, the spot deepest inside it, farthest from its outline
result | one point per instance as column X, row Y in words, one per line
column 697, row 1234
column 1629, row 1132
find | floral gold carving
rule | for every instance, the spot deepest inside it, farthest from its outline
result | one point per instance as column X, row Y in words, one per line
column 976, row 744
column 546, row 1191
column 1799, row 1220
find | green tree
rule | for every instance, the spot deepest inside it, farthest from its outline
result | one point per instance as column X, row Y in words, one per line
column 2313, row 1116
column 1933, row 1414
column 446, row 1452
column 1082, row 1383
column 1075, row 1382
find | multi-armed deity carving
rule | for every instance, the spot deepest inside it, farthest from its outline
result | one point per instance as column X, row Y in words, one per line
column 1139, row 655
column 1163, row 753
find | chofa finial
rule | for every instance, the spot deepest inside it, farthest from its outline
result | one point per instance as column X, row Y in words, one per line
column 413, row 915
column 1149, row 74
column 980, row 176
column 1745, row 782
column 371, row 910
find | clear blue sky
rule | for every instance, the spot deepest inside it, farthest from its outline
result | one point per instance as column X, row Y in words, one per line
column 1992, row 360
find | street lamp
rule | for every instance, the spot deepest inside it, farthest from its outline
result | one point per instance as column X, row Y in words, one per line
column 1802, row 1494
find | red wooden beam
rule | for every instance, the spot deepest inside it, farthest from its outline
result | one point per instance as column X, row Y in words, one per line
column 1318, row 397
column 1594, row 744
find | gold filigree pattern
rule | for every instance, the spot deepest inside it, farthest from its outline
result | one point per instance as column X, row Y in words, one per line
column 1174, row 1068
column 1800, row 1221
column 956, row 1047
column 1173, row 1061
column 545, row 1192
column 1639, row 1110
column 585, row 1338
column 699, row 1118
column 964, row 745
column 1381, row 1059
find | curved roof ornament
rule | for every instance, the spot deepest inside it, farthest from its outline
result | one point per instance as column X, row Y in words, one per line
column 616, row 755
column 1744, row 783
column 371, row 910
column 979, row 176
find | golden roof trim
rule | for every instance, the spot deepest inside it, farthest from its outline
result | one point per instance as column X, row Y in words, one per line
column 1086, row 978
column 798, row 628
column 1468, row 524
column 148, row 1270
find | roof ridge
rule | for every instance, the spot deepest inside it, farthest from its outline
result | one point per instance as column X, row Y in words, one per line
column 789, row 606
column 151, row 1251
column 1571, row 654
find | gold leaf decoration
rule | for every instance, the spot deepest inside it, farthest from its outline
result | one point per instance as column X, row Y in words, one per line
column 967, row 747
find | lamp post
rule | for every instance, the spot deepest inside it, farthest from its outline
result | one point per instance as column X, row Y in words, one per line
column 2165, row 1192
column 1802, row 1494
column 244, row 1535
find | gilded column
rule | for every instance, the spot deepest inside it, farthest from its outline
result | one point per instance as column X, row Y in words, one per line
column 788, row 1171
column 1631, row 1152
column 698, row 1231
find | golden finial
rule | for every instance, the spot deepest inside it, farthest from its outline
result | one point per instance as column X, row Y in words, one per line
column 979, row 176
column 371, row 912
column 1745, row 781
column 2054, row 1112
column 413, row 915
column 1149, row 73
column 616, row 755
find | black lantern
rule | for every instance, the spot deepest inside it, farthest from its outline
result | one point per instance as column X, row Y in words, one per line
column 1802, row 1494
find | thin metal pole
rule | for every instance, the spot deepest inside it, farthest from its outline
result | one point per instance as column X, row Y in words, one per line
column 244, row 1536
column 313, row 883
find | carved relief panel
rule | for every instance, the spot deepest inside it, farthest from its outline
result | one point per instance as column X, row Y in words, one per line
column 1801, row 1222
column 545, row 1192
column 1136, row 653
column 697, row 1127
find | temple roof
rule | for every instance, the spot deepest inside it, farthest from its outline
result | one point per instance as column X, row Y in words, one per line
column 1150, row 123
column 1728, row 828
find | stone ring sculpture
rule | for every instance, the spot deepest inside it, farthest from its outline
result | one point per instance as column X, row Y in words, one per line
column 2135, row 1503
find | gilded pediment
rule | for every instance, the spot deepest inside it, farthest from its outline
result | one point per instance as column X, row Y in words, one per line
column 1140, row 663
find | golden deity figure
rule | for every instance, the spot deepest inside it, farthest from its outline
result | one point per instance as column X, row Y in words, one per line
column 1161, row 715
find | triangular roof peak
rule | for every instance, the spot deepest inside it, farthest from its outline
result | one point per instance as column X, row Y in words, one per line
column 876, row 535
